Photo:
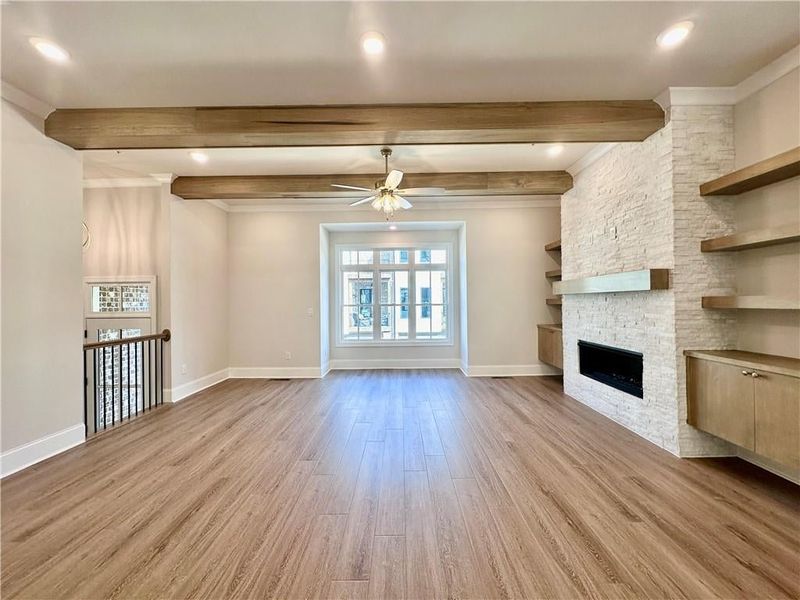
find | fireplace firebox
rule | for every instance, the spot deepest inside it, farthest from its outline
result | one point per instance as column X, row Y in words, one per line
column 621, row 369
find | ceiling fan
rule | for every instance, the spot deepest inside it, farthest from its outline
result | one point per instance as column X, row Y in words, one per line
column 386, row 195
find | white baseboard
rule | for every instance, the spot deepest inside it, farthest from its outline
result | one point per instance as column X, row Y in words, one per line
column 275, row 372
column 33, row 452
column 509, row 370
column 343, row 364
column 185, row 390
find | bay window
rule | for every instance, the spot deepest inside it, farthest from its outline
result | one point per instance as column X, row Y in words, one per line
column 397, row 295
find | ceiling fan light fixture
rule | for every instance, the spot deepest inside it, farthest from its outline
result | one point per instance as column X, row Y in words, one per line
column 373, row 43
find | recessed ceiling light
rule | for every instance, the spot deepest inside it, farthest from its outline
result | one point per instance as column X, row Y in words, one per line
column 373, row 42
column 675, row 35
column 49, row 50
column 198, row 156
column 555, row 150
column 393, row 227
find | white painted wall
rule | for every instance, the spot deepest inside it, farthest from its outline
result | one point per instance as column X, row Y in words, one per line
column 274, row 277
column 42, row 331
column 768, row 123
column 198, row 293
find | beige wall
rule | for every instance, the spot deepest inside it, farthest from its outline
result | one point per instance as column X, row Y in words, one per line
column 130, row 237
column 42, row 329
column 768, row 123
column 198, row 292
column 274, row 275
column 125, row 227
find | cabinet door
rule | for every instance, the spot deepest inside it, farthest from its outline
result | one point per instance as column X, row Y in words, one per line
column 721, row 401
column 777, row 399
column 550, row 350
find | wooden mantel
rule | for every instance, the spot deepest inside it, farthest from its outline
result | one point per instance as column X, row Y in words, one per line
column 355, row 125
column 629, row 281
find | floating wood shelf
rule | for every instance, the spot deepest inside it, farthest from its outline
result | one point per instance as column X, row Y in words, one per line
column 631, row 281
column 783, row 365
column 554, row 274
column 553, row 246
column 751, row 302
column 772, row 170
column 553, row 301
column 550, row 326
column 758, row 238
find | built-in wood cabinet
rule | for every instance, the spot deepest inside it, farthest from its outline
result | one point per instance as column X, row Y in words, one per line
column 551, row 350
column 721, row 401
column 777, row 418
column 749, row 399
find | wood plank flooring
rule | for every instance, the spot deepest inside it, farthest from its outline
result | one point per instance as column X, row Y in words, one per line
column 406, row 484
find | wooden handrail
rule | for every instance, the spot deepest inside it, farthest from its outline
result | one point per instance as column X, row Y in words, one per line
column 164, row 335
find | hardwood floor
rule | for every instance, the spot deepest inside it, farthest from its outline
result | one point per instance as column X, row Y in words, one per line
column 415, row 484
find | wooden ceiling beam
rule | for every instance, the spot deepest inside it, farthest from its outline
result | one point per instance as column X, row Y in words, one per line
column 514, row 183
column 356, row 125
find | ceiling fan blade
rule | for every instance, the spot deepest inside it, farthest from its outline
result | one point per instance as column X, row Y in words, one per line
column 403, row 202
column 424, row 191
column 393, row 179
column 350, row 187
column 357, row 202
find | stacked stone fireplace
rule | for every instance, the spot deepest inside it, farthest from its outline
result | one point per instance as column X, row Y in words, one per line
column 638, row 207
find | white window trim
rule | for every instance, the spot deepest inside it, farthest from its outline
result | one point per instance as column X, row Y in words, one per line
column 150, row 280
column 411, row 267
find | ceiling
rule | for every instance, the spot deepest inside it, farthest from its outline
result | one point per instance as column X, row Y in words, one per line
column 113, row 164
column 260, row 53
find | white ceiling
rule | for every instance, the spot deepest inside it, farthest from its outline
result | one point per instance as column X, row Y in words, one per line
column 114, row 164
column 239, row 53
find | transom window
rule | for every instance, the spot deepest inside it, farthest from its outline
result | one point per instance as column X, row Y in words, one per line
column 393, row 295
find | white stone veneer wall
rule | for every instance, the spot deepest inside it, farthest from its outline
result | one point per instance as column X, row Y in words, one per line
column 702, row 149
column 638, row 207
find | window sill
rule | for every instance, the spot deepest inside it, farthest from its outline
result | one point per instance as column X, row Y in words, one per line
column 393, row 344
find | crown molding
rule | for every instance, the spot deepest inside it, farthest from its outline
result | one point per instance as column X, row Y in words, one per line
column 24, row 100
column 163, row 177
column 730, row 95
column 220, row 204
column 130, row 182
column 589, row 158
column 769, row 74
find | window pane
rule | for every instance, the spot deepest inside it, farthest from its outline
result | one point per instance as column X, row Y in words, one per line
column 423, row 293
column 438, row 257
column 394, row 322
column 105, row 335
column 350, row 323
column 438, row 322
column 422, row 257
column 424, row 322
column 357, row 287
column 365, row 322
column 349, row 257
column 394, row 287
column 365, row 257
column 438, row 292
column 106, row 298
column 394, row 257
column 136, row 298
